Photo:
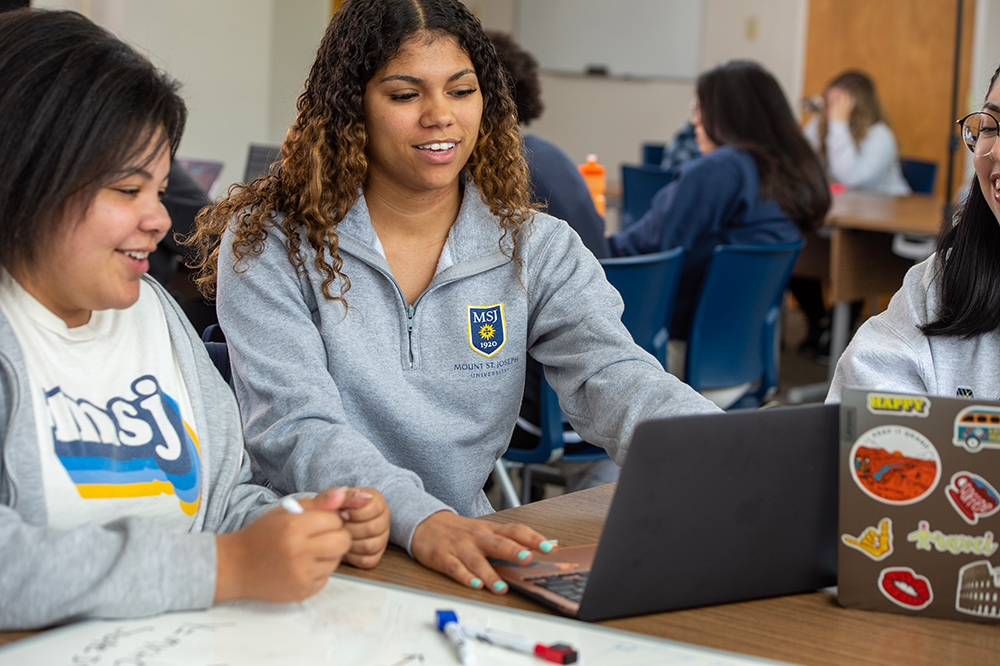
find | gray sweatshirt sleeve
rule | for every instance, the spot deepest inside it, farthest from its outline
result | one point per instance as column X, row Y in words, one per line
column 129, row 567
column 294, row 421
column 605, row 382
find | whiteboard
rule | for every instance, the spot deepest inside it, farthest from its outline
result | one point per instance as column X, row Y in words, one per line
column 350, row 622
column 625, row 38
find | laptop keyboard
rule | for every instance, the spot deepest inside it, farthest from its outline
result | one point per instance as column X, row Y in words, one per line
column 569, row 585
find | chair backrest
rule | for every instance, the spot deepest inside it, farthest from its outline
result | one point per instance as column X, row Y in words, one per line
column 732, row 338
column 639, row 184
column 919, row 174
column 652, row 153
column 648, row 285
column 218, row 351
column 260, row 157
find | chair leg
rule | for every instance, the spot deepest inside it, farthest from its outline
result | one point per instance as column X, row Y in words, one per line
column 526, row 484
column 502, row 476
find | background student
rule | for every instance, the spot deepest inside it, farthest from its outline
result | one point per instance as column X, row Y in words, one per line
column 120, row 444
column 941, row 331
column 851, row 134
column 757, row 182
column 556, row 183
column 382, row 289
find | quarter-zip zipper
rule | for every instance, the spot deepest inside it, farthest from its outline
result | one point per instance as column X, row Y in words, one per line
column 410, row 309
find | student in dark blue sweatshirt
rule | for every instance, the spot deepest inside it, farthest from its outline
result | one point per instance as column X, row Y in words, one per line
column 757, row 181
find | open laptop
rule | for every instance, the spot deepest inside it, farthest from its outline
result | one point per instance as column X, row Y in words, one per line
column 920, row 505
column 709, row 509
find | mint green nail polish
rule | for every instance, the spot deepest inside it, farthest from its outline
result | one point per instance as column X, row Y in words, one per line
column 476, row 583
column 523, row 554
column 545, row 546
column 499, row 586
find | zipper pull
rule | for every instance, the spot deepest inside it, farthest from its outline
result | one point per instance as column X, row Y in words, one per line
column 409, row 317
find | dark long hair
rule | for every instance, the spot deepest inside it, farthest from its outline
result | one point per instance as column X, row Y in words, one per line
column 523, row 69
column 743, row 106
column 969, row 273
column 323, row 162
column 77, row 108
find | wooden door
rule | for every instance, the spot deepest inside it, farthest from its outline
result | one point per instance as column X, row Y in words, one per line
column 907, row 47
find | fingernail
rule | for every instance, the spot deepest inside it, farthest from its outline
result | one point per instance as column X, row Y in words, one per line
column 363, row 494
column 523, row 554
column 499, row 586
column 344, row 515
column 476, row 583
column 546, row 546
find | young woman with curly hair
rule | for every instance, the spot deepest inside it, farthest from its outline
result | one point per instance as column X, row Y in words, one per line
column 382, row 287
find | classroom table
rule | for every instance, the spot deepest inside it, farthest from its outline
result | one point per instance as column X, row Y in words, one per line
column 804, row 629
column 853, row 252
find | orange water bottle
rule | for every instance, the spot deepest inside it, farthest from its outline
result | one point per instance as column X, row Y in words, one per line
column 595, row 176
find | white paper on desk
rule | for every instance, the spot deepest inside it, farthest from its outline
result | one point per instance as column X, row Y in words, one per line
column 350, row 623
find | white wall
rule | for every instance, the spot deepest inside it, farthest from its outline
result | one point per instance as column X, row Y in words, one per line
column 613, row 117
column 241, row 63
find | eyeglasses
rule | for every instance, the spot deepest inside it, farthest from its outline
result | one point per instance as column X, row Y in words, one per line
column 979, row 131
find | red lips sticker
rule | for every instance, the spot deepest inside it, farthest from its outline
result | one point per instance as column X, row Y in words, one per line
column 906, row 588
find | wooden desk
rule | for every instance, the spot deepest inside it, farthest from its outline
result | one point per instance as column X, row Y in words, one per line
column 804, row 629
column 854, row 250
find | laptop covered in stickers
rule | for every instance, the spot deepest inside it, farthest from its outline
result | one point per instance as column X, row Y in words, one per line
column 709, row 509
column 919, row 505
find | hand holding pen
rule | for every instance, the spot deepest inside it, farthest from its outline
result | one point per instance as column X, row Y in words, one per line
column 287, row 554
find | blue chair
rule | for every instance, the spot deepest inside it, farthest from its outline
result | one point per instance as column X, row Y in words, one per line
column 652, row 153
column 734, row 329
column 919, row 174
column 218, row 351
column 639, row 185
column 647, row 308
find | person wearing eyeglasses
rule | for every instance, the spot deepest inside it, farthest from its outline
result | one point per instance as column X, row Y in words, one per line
column 941, row 332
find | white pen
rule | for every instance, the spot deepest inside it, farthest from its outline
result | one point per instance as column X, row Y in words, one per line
column 558, row 653
column 447, row 623
column 290, row 505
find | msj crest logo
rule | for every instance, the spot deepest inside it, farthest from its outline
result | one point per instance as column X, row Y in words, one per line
column 486, row 328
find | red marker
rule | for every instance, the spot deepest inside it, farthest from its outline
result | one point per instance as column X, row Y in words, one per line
column 558, row 653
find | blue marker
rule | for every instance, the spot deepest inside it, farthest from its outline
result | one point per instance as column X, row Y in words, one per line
column 447, row 623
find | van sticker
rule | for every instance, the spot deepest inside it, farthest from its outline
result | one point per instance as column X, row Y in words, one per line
column 895, row 465
column 876, row 543
column 905, row 588
column 972, row 496
column 903, row 405
column 956, row 544
column 977, row 427
column 978, row 590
